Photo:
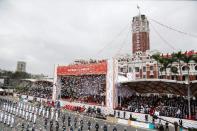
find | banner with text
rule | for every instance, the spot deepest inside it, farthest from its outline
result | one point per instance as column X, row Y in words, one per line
column 83, row 69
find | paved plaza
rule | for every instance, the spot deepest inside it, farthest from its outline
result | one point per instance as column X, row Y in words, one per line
column 44, row 124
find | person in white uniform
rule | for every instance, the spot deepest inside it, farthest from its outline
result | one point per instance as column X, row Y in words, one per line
column 4, row 106
column 23, row 116
column 33, row 108
column 34, row 121
column 8, row 120
column 13, row 111
column 1, row 116
column 36, row 112
column 47, row 113
column 11, row 108
column 26, row 115
column 5, row 118
column 56, row 115
column 40, row 110
column 52, row 113
column 30, row 116
column 43, row 112
column 12, row 121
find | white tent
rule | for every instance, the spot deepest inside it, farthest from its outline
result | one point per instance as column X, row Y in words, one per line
column 1, row 90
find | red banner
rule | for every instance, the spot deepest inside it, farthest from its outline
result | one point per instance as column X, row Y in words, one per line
column 83, row 69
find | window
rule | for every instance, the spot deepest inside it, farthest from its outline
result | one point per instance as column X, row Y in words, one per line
column 184, row 68
column 151, row 67
column 183, row 78
column 144, row 68
column 137, row 69
column 151, row 76
column 130, row 69
column 124, row 70
column 195, row 67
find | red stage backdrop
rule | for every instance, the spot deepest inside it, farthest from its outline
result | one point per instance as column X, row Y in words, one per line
column 83, row 69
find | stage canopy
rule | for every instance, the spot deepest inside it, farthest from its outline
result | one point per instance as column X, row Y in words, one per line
column 161, row 86
column 38, row 80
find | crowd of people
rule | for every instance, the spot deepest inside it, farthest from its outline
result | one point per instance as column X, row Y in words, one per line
column 86, row 88
column 39, row 89
column 174, row 106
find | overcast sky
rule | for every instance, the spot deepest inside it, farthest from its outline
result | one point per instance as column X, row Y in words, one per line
column 48, row 32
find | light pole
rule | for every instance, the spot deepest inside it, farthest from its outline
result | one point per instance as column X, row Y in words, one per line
column 188, row 92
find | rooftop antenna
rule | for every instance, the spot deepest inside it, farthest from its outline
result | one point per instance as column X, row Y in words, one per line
column 138, row 7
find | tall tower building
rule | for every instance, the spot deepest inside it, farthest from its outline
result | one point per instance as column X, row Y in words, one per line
column 21, row 66
column 140, row 34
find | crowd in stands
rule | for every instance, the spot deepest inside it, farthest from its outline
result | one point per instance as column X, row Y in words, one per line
column 39, row 89
column 174, row 106
column 86, row 88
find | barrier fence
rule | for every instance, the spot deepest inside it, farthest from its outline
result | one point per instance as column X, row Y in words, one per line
column 119, row 117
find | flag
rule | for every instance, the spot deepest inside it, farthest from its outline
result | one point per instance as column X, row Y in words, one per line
column 138, row 7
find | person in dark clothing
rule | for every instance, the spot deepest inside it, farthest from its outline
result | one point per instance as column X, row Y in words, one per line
column 105, row 127
column 51, row 125
column 22, row 126
column 89, row 125
column 124, row 115
column 115, row 129
column 75, row 123
column 81, row 124
column 69, row 120
column 97, row 126
column 33, row 128
column 63, row 118
column 63, row 127
column 57, row 126
column 146, row 118
column 45, row 123
column 118, row 114
column 71, row 128
column 167, row 127
column 180, row 122
column 161, row 128
column 27, row 129
column 130, row 117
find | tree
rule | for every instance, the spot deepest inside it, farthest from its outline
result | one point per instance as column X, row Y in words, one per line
column 171, row 60
column 165, row 64
column 178, row 57
column 20, row 75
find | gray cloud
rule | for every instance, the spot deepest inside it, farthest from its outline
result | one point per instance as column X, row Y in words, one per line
column 48, row 32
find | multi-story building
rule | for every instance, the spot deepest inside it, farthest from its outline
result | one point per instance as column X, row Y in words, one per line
column 140, row 34
column 144, row 67
column 21, row 66
column 140, row 65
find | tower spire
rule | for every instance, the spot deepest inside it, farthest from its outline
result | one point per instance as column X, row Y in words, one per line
column 138, row 7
